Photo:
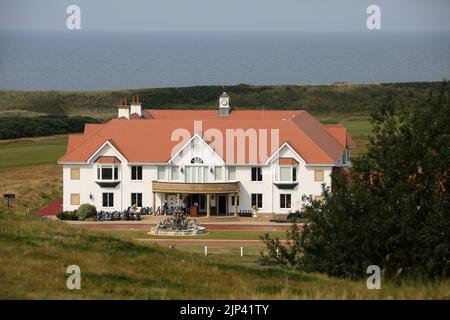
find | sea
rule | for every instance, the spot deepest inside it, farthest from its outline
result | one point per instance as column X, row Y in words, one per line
column 78, row 60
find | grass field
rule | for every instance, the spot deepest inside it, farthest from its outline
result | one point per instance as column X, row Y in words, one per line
column 31, row 151
column 35, row 253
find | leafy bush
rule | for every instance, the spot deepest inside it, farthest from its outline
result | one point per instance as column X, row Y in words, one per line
column 67, row 215
column 86, row 211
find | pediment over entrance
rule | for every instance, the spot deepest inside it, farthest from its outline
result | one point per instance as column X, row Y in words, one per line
column 196, row 152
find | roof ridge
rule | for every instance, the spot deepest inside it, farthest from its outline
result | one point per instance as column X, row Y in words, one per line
column 307, row 137
column 305, row 113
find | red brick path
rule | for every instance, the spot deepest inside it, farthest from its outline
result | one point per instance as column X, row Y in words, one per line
column 52, row 209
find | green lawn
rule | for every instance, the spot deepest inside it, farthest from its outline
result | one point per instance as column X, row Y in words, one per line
column 30, row 152
column 212, row 235
column 35, row 253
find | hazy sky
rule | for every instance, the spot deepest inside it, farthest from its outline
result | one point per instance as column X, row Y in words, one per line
column 225, row 15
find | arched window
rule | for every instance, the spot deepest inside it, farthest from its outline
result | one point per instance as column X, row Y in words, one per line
column 196, row 160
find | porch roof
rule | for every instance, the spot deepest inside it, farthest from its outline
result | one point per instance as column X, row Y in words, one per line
column 183, row 187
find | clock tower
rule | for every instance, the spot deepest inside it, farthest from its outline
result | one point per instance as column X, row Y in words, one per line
column 224, row 105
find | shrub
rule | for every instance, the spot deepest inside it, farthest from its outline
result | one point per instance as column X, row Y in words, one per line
column 86, row 211
column 67, row 215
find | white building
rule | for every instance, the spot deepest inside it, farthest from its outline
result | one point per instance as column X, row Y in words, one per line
column 218, row 161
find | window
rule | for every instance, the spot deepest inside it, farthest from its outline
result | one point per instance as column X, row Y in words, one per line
column 107, row 172
column 285, row 201
column 161, row 173
column 218, row 173
column 108, row 199
column 196, row 174
column 257, row 200
column 256, row 174
column 318, row 175
column 195, row 160
column 285, row 173
column 136, row 199
column 232, row 200
column 136, row 173
column 318, row 198
column 231, row 173
column 74, row 198
column 175, row 173
column 75, row 174
column 346, row 156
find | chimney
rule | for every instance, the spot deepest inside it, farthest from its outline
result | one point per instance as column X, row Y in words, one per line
column 124, row 111
column 136, row 106
column 224, row 105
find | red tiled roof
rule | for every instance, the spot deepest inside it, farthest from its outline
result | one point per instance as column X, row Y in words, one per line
column 288, row 161
column 107, row 159
column 340, row 133
column 149, row 140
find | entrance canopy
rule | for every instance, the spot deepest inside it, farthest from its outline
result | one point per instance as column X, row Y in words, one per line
column 183, row 187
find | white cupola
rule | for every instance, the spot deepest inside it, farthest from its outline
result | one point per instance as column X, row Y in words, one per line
column 224, row 105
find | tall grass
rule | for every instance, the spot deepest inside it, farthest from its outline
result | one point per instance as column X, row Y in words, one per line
column 34, row 255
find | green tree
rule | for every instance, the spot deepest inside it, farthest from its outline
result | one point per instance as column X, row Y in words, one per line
column 392, row 208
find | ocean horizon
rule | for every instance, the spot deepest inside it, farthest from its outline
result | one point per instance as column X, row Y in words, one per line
column 78, row 60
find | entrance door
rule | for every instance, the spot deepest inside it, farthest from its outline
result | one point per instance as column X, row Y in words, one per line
column 222, row 208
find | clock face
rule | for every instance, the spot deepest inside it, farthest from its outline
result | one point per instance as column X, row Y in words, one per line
column 223, row 102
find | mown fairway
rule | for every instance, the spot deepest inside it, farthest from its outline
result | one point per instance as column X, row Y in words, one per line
column 35, row 253
column 31, row 151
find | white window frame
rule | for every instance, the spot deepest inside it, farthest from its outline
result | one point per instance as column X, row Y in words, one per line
column 258, row 205
column 131, row 199
column 164, row 170
column 278, row 173
column 137, row 178
column 100, row 177
column 196, row 166
column 113, row 200
column 251, row 174
column 231, row 168
column 285, row 201
column 221, row 173
column 177, row 168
